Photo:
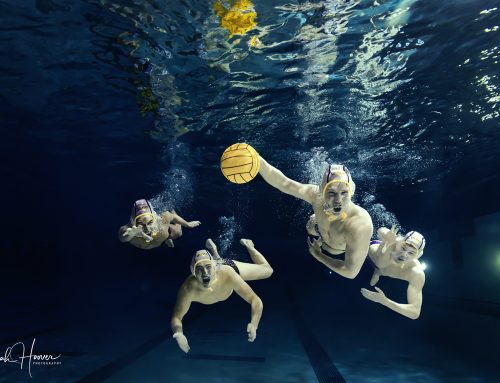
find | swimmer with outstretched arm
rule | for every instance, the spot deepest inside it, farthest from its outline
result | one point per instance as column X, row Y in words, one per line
column 147, row 230
column 396, row 256
column 214, row 279
column 339, row 230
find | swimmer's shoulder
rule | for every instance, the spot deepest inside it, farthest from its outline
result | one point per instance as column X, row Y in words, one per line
column 228, row 275
column 360, row 221
column 189, row 287
column 226, row 272
column 361, row 217
column 416, row 274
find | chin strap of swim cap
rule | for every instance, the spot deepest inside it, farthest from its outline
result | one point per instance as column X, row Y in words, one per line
column 416, row 240
column 335, row 217
column 201, row 256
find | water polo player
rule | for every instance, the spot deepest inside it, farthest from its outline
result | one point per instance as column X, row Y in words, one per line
column 396, row 256
column 214, row 279
column 339, row 230
column 147, row 230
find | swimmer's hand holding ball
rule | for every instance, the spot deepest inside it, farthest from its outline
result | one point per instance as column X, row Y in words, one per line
column 240, row 163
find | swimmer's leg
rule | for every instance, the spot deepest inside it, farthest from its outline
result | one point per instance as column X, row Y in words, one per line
column 210, row 245
column 260, row 269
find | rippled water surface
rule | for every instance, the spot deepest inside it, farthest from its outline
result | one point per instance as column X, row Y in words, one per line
column 399, row 91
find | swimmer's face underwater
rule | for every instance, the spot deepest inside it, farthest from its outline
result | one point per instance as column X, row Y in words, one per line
column 205, row 273
column 336, row 200
column 404, row 253
column 149, row 224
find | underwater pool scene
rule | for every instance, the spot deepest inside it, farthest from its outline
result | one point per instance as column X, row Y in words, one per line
column 106, row 102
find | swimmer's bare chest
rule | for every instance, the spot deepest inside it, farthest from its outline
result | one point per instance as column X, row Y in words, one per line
column 333, row 233
column 396, row 272
column 217, row 294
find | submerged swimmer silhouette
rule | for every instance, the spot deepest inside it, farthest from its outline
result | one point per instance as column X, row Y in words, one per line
column 214, row 279
column 339, row 230
column 147, row 230
column 396, row 256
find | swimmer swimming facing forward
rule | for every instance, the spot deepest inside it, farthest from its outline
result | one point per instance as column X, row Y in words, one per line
column 214, row 279
column 339, row 230
column 397, row 257
column 147, row 230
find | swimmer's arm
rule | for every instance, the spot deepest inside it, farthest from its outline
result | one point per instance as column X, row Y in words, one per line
column 374, row 253
column 277, row 179
column 414, row 295
column 181, row 307
column 357, row 245
column 245, row 291
column 375, row 277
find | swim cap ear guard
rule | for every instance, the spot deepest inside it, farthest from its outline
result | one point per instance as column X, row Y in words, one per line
column 416, row 240
column 201, row 256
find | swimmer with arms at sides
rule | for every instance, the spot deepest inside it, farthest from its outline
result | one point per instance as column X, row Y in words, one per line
column 396, row 256
column 339, row 230
column 213, row 280
column 147, row 230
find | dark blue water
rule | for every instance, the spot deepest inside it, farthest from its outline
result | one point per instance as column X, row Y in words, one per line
column 103, row 103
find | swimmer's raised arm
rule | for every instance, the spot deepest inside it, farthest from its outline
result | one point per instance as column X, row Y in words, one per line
column 414, row 295
column 245, row 291
column 180, row 309
column 277, row 179
column 357, row 245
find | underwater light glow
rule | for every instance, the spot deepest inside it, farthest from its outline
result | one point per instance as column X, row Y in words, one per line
column 424, row 266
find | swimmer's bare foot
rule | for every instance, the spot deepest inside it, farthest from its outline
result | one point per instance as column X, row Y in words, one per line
column 169, row 243
column 247, row 243
column 210, row 245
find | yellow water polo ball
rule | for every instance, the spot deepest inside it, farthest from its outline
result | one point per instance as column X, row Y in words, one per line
column 240, row 163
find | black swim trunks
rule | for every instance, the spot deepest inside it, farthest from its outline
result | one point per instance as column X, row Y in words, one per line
column 230, row 262
column 340, row 256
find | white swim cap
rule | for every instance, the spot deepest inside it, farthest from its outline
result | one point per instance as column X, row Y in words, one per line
column 337, row 173
column 416, row 240
column 201, row 256
column 141, row 208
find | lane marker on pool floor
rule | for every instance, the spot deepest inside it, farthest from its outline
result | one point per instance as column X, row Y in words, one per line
column 323, row 367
